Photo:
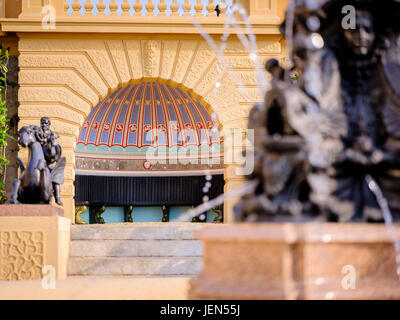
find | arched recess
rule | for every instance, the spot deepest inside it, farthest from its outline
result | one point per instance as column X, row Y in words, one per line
column 65, row 76
column 150, row 135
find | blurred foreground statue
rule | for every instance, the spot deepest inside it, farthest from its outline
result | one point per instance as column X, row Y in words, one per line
column 321, row 136
column 45, row 172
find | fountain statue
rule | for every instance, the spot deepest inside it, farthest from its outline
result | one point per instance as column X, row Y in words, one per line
column 326, row 148
column 45, row 172
column 328, row 137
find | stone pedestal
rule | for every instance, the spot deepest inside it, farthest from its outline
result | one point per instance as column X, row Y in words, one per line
column 297, row 261
column 42, row 210
column 33, row 237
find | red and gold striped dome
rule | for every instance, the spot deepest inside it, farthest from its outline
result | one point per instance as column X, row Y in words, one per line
column 131, row 115
column 141, row 117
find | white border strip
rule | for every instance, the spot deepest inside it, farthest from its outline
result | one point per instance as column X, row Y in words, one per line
column 158, row 173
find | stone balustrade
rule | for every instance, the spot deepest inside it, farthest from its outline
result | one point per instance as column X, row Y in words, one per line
column 258, row 10
column 136, row 16
column 144, row 7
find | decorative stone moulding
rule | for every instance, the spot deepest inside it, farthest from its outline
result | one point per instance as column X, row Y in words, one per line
column 297, row 261
column 126, row 17
column 34, row 240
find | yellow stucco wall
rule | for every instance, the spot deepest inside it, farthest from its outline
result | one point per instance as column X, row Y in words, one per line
column 64, row 75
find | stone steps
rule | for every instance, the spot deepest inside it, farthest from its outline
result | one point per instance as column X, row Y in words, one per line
column 137, row 231
column 118, row 266
column 142, row 249
column 136, row 248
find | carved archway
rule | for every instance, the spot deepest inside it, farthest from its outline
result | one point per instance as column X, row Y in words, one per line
column 64, row 78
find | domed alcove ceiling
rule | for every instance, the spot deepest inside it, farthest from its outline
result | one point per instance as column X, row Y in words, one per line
column 149, row 128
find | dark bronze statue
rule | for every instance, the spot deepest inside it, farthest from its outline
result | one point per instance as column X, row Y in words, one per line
column 319, row 137
column 45, row 172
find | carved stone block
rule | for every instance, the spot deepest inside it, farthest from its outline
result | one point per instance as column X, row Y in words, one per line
column 29, row 243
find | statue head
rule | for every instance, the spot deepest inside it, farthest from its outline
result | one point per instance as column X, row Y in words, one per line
column 45, row 123
column 27, row 135
column 361, row 40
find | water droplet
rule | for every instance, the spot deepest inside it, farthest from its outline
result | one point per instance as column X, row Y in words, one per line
column 317, row 40
column 202, row 217
column 371, row 185
column 205, row 190
column 312, row 4
column 218, row 84
column 329, row 295
column 253, row 56
column 208, row 177
column 206, row 198
column 319, row 281
column 223, row 6
column 313, row 23
column 326, row 238
column 208, row 184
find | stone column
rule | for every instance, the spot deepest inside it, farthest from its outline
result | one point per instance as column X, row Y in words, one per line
column 12, row 115
column 89, row 7
column 33, row 8
column 59, row 5
column 232, row 181
column 125, row 7
column 234, row 144
column 2, row 9
column 199, row 7
column 162, row 7
column 150, row 7
column 244, row 3
column 210, row 8
column 113, row 7
column 62, row 95
column 262, row 7
column 174, row 8
column 259, row 10
column 138, row 7
column 281, row 7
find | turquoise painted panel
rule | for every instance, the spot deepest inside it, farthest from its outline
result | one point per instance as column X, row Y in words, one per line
column 114, row 215
column 86, row 215
column 91, row 148
column 117, row 149
column 103, row 148
column 132, row 149
column 211, row 215
column 176, row 212
column 80, row 146
column 147, row 214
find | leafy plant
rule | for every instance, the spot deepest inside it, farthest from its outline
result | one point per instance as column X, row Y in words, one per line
column 4, row 57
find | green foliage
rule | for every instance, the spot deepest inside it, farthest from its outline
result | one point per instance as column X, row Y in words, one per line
column 4, row 56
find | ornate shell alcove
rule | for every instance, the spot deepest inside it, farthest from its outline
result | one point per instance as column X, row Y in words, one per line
column 148, row 144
